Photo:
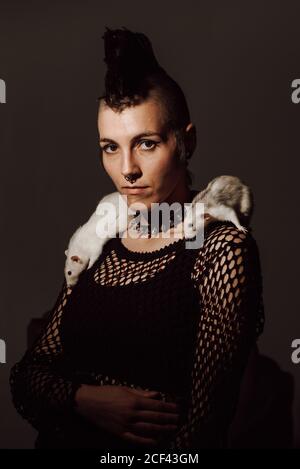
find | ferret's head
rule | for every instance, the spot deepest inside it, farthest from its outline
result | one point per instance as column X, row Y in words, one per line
column 73, row 267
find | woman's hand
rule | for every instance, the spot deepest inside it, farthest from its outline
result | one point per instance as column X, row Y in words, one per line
column 134, row 415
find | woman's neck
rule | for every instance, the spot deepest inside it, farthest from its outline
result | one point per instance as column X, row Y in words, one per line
column 181, row 194
column 155, row 220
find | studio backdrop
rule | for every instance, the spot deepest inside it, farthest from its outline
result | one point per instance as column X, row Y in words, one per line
column 239, row 65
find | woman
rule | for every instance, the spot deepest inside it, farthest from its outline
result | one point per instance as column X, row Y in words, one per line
column 149, row 348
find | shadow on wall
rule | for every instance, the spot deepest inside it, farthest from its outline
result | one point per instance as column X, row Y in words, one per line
column 264, row 414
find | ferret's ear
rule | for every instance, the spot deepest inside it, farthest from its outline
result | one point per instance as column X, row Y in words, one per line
column 66, row 252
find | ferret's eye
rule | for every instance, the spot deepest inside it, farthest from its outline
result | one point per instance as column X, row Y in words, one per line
column 69, row 272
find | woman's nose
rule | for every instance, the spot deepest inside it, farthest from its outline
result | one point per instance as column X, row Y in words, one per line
column 130, row 166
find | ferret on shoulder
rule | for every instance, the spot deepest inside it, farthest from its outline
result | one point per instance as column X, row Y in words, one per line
column 86, row 244
column 226, row 198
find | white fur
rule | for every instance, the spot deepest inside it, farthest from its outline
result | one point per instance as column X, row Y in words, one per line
column 111, row 217
column 225, row 198
column 87, row 242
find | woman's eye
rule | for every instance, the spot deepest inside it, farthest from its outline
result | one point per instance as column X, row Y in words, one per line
column 144, row 145
column 148, row 144
column 111, row 148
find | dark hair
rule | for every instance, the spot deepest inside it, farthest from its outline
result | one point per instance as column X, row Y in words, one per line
column 133, row 74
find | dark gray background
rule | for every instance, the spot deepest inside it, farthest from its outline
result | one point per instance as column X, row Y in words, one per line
column 235, row 61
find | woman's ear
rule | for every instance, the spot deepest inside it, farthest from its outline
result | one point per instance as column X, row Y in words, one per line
column 190, row 140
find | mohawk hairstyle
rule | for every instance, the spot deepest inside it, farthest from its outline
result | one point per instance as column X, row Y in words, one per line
column 130, row 61
column 133, row 73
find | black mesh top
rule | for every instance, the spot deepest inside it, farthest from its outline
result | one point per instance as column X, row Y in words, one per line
column 180, row 321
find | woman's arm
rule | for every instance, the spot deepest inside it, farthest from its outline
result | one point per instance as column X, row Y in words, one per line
column 228, row 277
column 36, row 386
column 41, row 393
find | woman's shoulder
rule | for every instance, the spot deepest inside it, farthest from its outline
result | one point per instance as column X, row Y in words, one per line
column 219, row 234
column 223, row 246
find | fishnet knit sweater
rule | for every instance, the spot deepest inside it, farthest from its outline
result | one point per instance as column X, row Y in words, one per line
column 180, row 321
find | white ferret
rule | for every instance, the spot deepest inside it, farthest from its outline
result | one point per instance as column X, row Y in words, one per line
column 226, row 198
column 86, row 244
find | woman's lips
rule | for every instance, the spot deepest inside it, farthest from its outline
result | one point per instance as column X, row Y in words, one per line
column 134, row 190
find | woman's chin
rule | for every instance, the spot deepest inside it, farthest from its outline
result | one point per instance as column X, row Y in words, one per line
column 139, row 202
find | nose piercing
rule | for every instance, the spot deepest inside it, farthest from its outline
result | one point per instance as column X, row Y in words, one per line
column 130, row 178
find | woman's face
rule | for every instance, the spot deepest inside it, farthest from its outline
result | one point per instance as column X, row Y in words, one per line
column 136, row 142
